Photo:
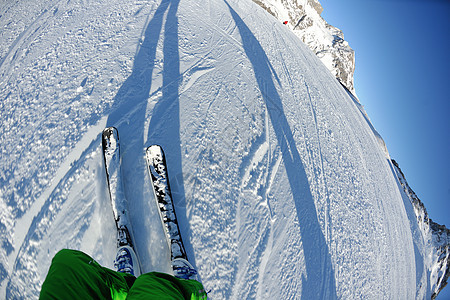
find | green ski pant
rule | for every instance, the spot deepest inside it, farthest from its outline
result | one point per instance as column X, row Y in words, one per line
column 75, row 275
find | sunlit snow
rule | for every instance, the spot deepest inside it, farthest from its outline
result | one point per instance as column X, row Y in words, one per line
column 281, row 185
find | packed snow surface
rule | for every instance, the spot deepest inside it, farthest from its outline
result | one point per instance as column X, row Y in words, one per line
column 280, row 185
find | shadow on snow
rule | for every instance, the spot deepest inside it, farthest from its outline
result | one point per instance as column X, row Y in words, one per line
column 131, row 101
column 129, row 111
column 320, row 282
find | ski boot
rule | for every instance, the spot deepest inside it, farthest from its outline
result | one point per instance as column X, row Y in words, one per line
column 126, row 261
column 183, row 269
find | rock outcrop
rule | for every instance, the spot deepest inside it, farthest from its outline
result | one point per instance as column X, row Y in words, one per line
column 326, row 41
column 436, row 240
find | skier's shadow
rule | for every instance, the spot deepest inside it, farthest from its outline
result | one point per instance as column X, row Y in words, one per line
column 320, row 282
column 129, row 111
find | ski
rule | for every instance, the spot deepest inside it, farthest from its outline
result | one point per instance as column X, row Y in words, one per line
column 111, row 155
column 157, row 167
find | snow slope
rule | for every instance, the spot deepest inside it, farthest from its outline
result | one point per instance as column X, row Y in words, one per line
column 280, row 183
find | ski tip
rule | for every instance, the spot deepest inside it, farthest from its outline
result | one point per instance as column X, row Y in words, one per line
column 109, row 134
column 156, row 146
column 110, row 130
column 154, row 150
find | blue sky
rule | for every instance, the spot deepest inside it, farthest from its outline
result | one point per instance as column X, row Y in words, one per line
column 402, row 79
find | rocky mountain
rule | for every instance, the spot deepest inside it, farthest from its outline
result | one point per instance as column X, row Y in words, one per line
column 433, row 238
column 326, row 41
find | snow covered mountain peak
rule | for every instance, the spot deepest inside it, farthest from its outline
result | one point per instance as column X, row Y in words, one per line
column 432, row 239
column 326, row 41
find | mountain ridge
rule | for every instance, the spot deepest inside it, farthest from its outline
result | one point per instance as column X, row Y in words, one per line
column 436, row 239
column 304, row 18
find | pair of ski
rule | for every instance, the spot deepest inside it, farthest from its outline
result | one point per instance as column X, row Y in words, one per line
column 157, row 167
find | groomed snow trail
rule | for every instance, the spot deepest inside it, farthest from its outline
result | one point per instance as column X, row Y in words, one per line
column 281, row 187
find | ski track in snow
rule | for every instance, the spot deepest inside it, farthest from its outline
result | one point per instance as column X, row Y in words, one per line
column 280, row 182
column 24, row 223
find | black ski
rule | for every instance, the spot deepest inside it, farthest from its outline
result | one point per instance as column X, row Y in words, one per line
column 157, row 168
column 111, row 155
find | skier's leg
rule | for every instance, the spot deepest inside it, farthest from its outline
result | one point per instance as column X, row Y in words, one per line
column 75, row 275
column 155, row 285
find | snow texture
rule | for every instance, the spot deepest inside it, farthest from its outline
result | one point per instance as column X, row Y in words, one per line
column 281, row 187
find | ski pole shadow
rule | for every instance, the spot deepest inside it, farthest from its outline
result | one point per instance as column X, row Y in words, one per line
column 164, row 128
column 128, row 116
column 320, row 281
column 130, row 105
